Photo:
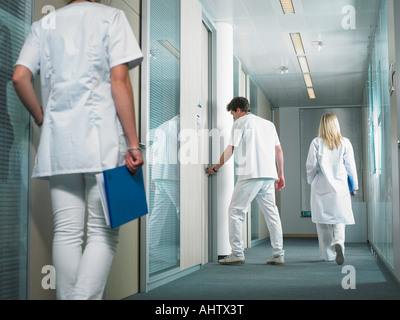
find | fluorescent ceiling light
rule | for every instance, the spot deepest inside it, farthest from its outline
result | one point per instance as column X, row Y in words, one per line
column 287, row 6
column 297, row 43
column 307, row 79
column 303, row 64
column 311, row 93
column 167, row 45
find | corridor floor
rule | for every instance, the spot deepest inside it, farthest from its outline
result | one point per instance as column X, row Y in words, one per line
column 304, row 277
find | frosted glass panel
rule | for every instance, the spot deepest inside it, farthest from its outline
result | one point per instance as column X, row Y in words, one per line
column 380, row 211
column 164, row 126
column 15, row 22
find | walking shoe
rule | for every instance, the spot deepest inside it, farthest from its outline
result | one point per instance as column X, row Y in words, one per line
column 339, row 254
column 276, row 261
column 231, row 259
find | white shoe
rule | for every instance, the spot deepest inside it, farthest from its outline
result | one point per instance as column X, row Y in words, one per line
column 339, row 254
column 276, row 261
column 231, row 259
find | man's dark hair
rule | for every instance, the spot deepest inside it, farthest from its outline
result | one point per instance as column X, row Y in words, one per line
column 239, row 103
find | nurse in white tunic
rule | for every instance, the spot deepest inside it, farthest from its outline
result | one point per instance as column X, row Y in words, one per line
column 329, row 163
column 83, row 53
column 259, row 170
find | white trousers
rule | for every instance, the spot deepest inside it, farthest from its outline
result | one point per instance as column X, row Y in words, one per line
column 263, row 190
column 80, row 274
column 328, row 236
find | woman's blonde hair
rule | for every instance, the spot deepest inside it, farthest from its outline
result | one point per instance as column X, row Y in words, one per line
column 329, row 131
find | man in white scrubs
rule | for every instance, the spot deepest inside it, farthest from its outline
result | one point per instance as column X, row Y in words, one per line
column 259, row 171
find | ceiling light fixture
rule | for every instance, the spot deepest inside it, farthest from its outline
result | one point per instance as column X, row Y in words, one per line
column 297, row 43
column 301, row 57
column 303, row 64
column 307, row 79
column 319, row 43
column 284, row 69
column 287, row 6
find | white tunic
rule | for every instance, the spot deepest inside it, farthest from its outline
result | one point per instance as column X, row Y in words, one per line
column 255, row 139
column 327, row 172
column 74, row 53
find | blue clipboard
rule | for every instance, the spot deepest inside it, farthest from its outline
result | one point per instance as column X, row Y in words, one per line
column 123, row 195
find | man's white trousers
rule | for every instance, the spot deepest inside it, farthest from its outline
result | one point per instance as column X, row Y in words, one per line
column 263, row 190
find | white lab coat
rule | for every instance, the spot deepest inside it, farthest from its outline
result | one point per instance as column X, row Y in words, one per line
column 327, row 172
column 74, row 50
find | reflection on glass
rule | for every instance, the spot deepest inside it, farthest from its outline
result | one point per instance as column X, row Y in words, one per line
column 164, row 128
column 15, row 21
column 380, row 213
column 164, row 168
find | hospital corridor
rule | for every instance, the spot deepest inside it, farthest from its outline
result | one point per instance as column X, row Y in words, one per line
column 296, row 63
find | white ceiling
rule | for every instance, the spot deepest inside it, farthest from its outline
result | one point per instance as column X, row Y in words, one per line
column 262, row 43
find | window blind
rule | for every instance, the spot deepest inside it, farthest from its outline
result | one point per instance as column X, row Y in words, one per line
column 164, row 125
column 15, row 22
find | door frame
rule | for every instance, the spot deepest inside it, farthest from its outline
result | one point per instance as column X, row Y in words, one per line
column 212, row 205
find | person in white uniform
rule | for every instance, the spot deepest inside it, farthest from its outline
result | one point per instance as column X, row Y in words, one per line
column 259, row 171
column 83, row 53
column 329, row 163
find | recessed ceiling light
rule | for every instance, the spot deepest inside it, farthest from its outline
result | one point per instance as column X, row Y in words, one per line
column 303, row 64
column 311, row 93
column 287, row 6
column 307, row 79
column 297, row 43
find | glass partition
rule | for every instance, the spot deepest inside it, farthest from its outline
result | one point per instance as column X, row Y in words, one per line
column 15, row 22
column 380, row 213
column 163, row 144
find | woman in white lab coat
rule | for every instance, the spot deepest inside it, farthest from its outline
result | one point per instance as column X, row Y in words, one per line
column 83, row 53
column 329, row 163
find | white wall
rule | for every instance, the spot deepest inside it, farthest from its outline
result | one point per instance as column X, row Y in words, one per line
column 192, row 170
column 264, row 106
